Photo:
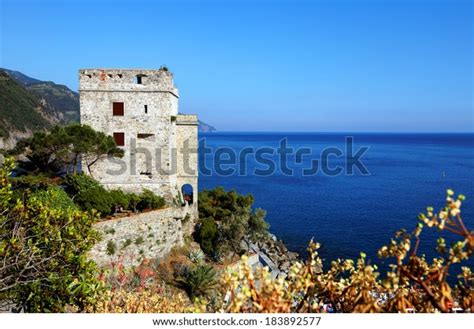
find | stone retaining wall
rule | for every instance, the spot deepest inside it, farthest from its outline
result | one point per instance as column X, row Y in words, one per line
column 146, row 235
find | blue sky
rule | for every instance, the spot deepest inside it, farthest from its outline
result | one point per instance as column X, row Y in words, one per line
column 337, row 65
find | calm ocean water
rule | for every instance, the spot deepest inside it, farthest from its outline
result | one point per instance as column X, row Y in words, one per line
column 350, row 213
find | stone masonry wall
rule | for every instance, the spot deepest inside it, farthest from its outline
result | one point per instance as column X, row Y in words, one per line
column 147, row 124
column 146, row 115
column 187, row 155
column 146, row 235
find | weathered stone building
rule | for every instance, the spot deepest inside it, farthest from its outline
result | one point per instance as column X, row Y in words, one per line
column 140, row 109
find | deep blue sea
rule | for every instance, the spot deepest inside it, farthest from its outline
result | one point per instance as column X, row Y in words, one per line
column 345, row 213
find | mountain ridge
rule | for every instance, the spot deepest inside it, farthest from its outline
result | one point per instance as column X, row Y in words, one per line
column 22, row 112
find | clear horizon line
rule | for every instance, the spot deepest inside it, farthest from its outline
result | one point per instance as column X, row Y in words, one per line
column 339, row 132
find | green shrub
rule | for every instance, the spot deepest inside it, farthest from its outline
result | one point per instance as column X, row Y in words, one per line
column 126, row 243
column 257, row 226
column 88, row 194
column 198, row 281
column 53, row 269
column 120, row 198
column 111, row 248
column 133, row 201
column 196, row 256
column 235, row 218
column 149, row 200
column 207, row 235
column 31, row 182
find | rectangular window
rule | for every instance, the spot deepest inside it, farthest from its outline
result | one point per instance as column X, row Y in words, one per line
column 145, row 135
column 146, row 109
column 117, row 109
column 119, row 139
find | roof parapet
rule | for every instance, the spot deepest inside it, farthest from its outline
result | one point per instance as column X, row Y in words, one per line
column 133, row 80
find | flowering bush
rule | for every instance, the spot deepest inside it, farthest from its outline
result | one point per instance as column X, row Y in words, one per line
column 355, row 286
column 140, row 301
column 137, row 290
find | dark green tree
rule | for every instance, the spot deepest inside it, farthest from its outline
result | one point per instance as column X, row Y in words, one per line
column 44, row 152
column 258, row 227
column 90, row 145
column 207, row 236
column 61, row 148
column 234, row 218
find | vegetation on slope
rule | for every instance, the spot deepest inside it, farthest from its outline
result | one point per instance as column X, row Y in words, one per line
column 19, row 110
column 413, row 282
column 58, row 100
column 46, row 232
column 43, row 248
column 226, row 218
column 52, row 157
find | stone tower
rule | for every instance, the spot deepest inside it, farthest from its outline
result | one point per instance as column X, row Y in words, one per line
column 139, row 108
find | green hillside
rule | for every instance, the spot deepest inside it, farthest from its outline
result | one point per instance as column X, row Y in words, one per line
column 59, row 101
column 19, row 109
column 60, row 98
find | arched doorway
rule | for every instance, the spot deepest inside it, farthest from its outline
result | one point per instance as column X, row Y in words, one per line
column 188, row 196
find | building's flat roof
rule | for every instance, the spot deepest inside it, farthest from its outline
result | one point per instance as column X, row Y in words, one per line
column 128, row 69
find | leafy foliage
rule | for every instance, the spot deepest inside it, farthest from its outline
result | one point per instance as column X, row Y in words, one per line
column 257, row 226
column 88, row 194
column 120, row 198
column 207, row 236
column 228, row 217
column 111, row 248
column 135, row 290
column 134, row 200
column 149, row 200
column 43, row 251
column 55, row 197
column 158, row 300
column 90, row 145
column 355, row 286
column 198, row 280
column 44, row 152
